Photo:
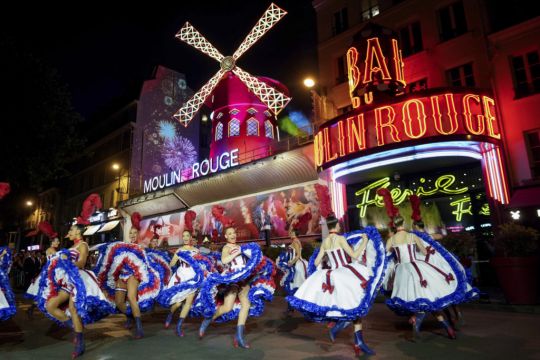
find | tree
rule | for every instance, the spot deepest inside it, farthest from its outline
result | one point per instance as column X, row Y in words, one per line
column 38, row 134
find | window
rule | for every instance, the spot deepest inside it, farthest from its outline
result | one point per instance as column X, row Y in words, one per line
column 452, row 21
column 234, row 112
column 370, row 8
column 341, row 22
column 341, row 73
column 268, row 129
column 410, row 38
column 416, row 86
column 234, row 127
column 219, row 115
column 219, row 131
column 461, row 75
column 526, row 71
column 252, row 111
column 253, row 127
column 532, row 141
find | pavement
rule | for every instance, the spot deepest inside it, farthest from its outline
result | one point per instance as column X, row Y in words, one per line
column 487, row 334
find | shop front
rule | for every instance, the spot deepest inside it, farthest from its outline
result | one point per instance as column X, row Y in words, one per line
column 442, row 144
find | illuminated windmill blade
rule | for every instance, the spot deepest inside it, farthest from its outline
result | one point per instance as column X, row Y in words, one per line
column 274, row 99
column 190, row 108
column 270, row 17
column 190, row 35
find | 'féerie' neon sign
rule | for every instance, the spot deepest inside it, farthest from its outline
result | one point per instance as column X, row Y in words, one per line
column 368, row 195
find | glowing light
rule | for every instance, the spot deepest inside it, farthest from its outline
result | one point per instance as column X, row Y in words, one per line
column 167, row 130
column 115, row 166
column 309, row 83
column 423, row 155
column 271, row 97
column 427, row 118
column 442, row 185
column 538, row 212
column 29, row 203
column 515, row 214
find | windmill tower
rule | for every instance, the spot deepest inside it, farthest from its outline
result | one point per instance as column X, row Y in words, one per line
column 244, row 106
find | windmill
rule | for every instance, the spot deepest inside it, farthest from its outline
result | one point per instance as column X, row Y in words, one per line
column 272, row 98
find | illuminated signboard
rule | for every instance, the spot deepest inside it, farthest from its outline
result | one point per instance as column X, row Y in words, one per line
column 442, row 185
column 197, row 169
column 437, row 115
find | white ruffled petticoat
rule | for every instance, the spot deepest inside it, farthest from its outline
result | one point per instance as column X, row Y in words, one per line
column 346, row 289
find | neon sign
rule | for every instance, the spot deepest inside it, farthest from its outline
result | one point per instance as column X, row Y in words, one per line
column 460, row 207
column 368, row 195
column 369, row 70
column 428, row 117
column 207, row 166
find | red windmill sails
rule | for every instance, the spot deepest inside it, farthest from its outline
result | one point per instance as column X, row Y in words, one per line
column 275, row 100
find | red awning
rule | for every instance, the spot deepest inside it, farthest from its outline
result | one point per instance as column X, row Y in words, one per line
column 525, row 197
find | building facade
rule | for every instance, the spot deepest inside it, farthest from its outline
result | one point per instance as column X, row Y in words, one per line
column 450, row 46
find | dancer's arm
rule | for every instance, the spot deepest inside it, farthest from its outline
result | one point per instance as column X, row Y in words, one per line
column 420, row 245
column 228, row 254
column 173, row 260
column 352, row 253
column 83, row 255
column 298, row 252
column 320, row 255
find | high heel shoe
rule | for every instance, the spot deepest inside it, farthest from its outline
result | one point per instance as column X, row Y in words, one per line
column 68, row 323
column 204, row 326
column 129, row 322
column 139, row 334
column 179, row 330
column 168, row 320
column 239, row 338
column 360, row 345
column 78, row 340
column 449, row 330
column 340, row 325
column 416, row 322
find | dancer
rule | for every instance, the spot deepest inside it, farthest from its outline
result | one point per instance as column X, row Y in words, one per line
column 183, row 286
column 33, row 289
column 64, row 281
column 433, row 257
column 248, row 281
column 346, row 291
column 293, row 266
column 125, row 274
column 7, row 298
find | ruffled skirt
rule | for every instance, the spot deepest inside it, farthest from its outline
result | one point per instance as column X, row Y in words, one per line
column 7, row 299
column 258, row 273
column 120, row 261
column 347, row 292
column 60, row 274
column 430, row 284
column 187, row 279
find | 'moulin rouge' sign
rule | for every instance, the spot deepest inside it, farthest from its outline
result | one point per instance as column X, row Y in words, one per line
column 379, row 120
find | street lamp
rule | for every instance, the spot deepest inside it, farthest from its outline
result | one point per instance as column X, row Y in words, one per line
column 309, row 82
column 118, row 168
column 29, row 203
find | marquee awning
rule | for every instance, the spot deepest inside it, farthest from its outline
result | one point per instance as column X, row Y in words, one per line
column 274, row 172
column 289, row 168
column 109, row 226
column 91, row 230
column 157, row 202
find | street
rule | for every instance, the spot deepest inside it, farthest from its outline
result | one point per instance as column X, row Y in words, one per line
column 487, row 334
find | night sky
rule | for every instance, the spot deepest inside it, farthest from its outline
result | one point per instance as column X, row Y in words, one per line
column 105, row 52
